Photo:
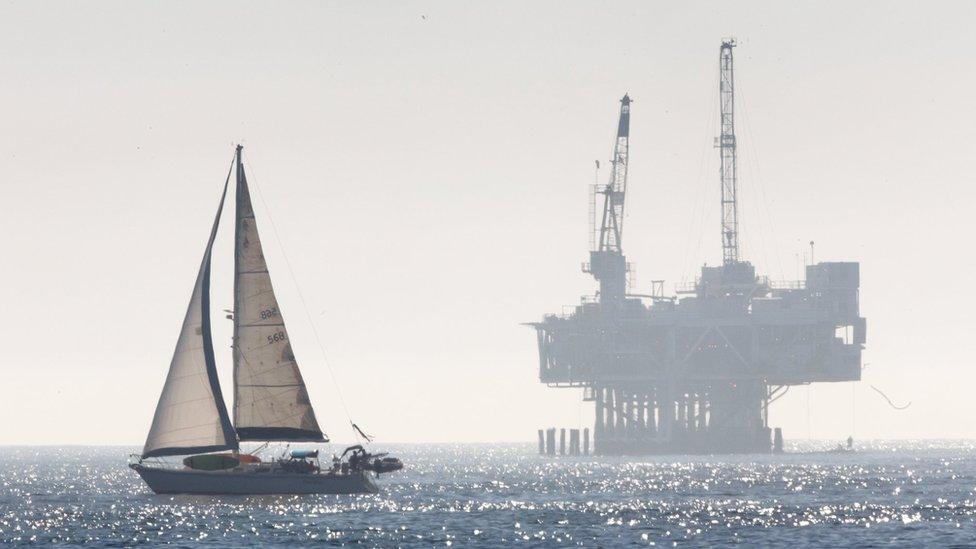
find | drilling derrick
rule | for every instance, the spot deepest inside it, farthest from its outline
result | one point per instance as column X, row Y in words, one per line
column 697, row 372
column 726, row 144
column 607, row 262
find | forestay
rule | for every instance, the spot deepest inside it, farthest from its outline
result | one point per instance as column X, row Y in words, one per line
column 270, row 398
column 191, row 416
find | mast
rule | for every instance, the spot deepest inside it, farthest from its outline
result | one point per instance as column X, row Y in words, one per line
column 607, row 262
column 726, row 146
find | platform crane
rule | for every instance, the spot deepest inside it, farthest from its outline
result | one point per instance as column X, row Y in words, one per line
column 726, row 146
column 607, row 262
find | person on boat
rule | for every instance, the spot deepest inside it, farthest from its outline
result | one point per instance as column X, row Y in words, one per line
column 355, row 458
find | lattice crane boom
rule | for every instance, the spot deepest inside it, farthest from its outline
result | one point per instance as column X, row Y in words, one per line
column 726, row 145
column 615, row 192
column 607, row 262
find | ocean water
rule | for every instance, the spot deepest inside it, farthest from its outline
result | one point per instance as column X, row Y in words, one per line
column 887, row 494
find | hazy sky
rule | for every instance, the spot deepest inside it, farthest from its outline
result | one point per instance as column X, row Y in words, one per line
column 427, row 166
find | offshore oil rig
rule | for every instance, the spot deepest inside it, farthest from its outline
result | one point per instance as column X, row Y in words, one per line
column 697, row 372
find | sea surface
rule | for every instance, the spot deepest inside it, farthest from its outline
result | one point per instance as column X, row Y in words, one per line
column 901, row 493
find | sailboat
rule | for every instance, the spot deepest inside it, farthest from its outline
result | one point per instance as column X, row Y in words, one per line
column 271, row 402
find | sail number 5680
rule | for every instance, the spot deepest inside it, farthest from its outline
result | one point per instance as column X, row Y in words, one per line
column 276, row 337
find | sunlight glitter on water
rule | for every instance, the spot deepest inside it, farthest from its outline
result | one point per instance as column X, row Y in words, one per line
column 904, row 492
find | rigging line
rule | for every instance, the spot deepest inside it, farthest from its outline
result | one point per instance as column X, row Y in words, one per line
column 294, row 279
column 748, row 146
column 762, row 188
column 707, row 204
column 752, row 247
column 892, row 404
column 698, row 212
column 698, row 207
column 745, row 166
column 368, row 438
column 259, row 448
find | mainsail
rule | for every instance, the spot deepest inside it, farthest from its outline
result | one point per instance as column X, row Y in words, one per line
column 270, row 399
column 191, row 416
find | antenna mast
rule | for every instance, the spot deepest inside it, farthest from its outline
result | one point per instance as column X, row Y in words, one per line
column 726, row 146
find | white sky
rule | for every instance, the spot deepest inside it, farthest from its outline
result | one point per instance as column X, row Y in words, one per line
column 427, row 165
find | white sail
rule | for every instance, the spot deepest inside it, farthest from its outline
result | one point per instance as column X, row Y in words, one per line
column 270, row 398
column 191, row 416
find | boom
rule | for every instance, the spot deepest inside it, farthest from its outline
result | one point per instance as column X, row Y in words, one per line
column 726, row 145
column 611, row 227
column 607, row 263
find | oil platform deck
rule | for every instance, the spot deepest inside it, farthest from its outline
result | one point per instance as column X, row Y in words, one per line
column 696, row 373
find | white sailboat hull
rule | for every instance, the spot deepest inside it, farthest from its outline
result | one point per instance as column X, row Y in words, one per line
column 189, row 481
